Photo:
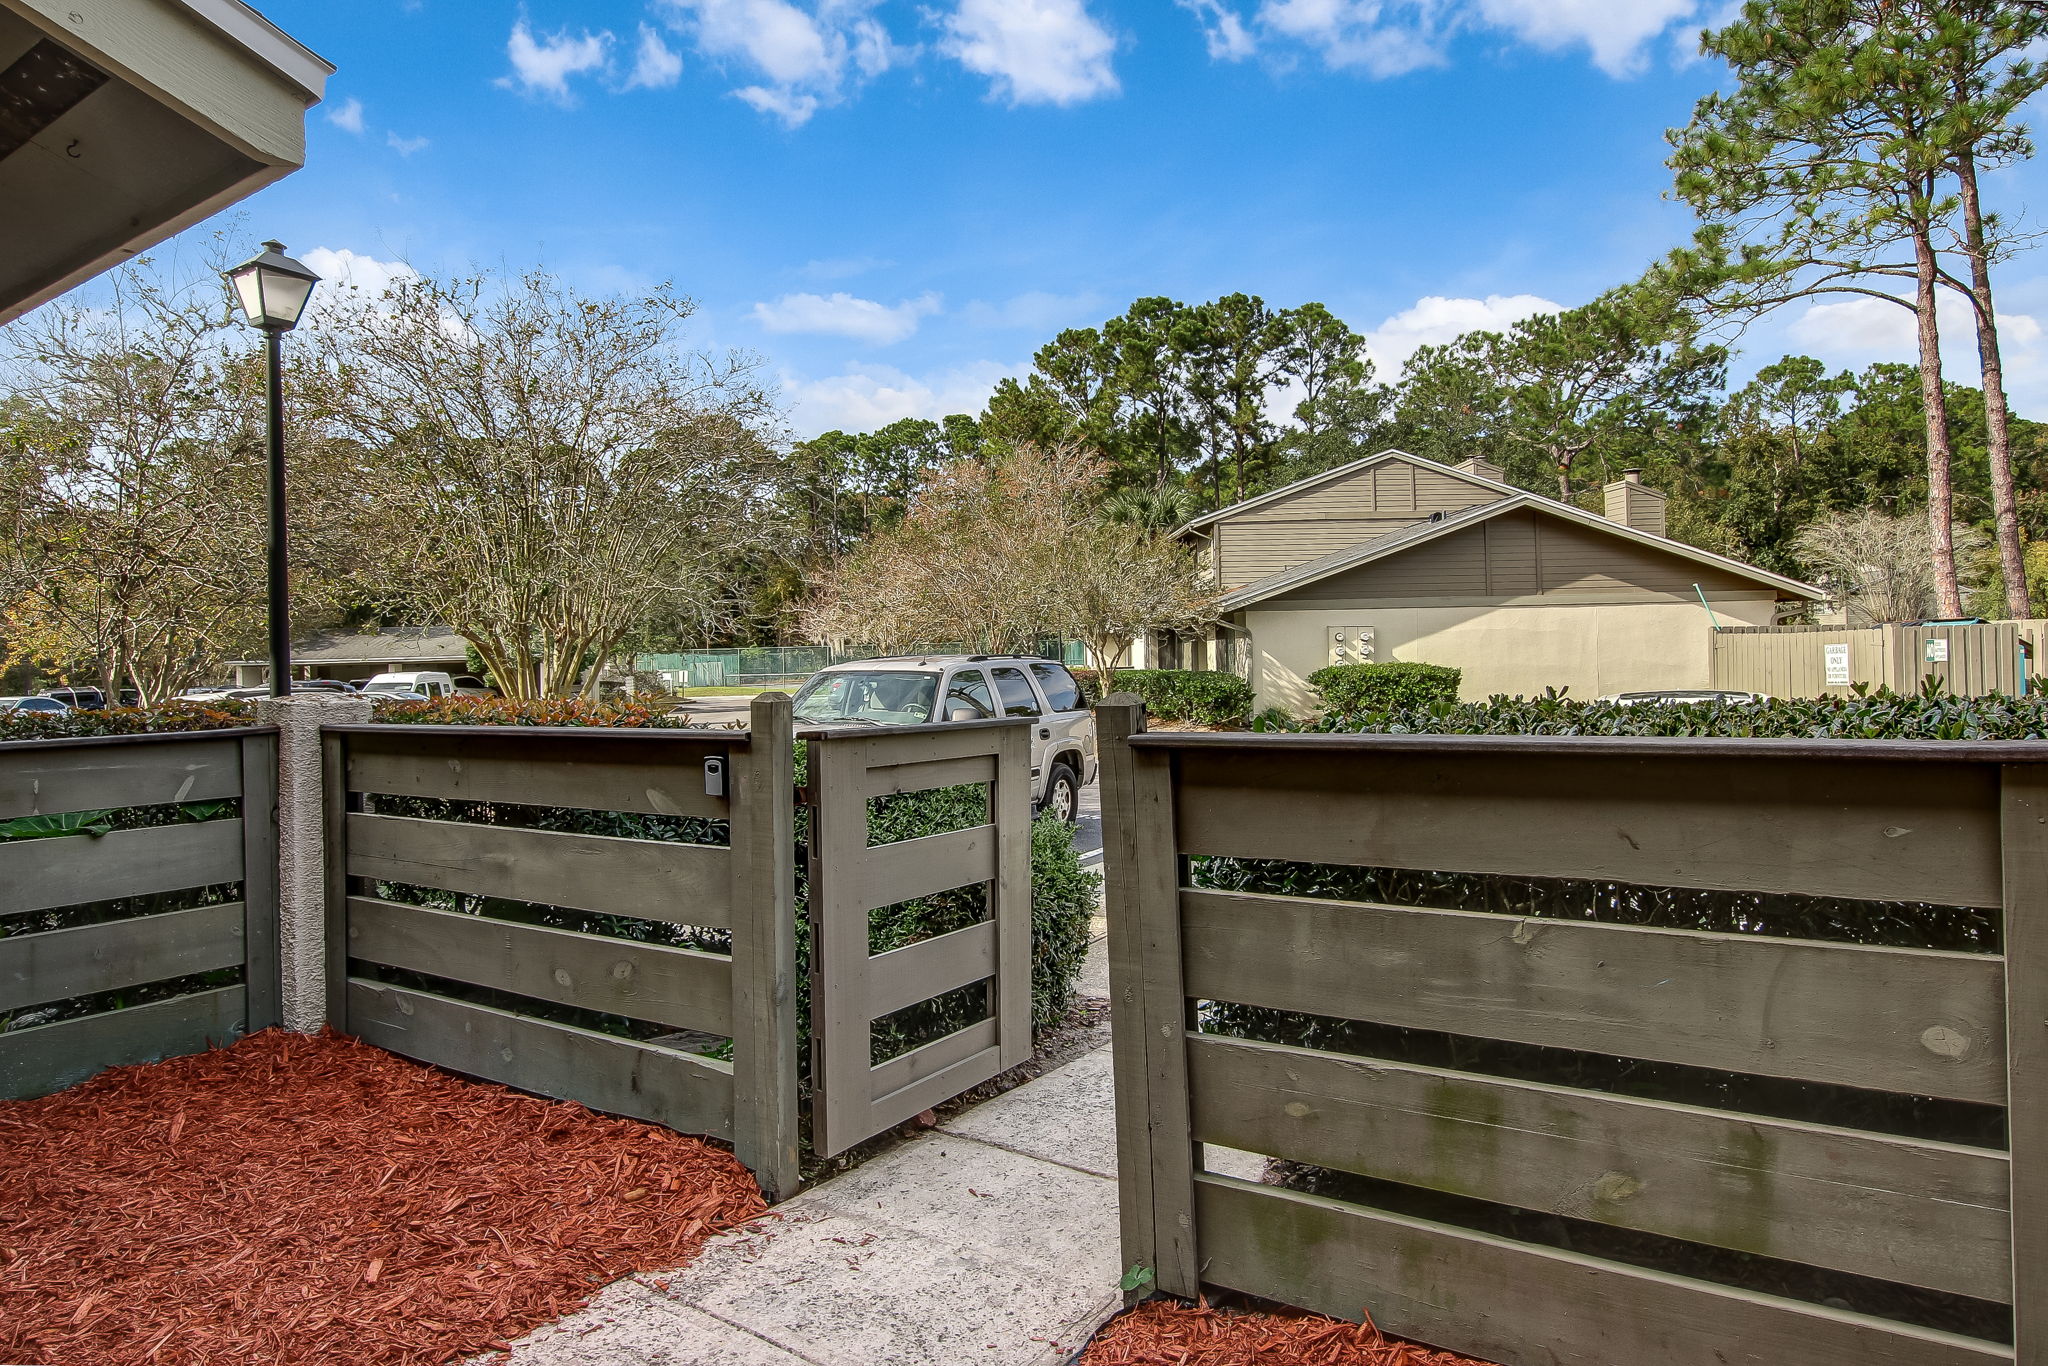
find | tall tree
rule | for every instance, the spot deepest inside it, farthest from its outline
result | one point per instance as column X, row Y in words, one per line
column 551, row 469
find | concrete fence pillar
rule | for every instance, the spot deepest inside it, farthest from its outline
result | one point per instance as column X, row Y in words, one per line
column 301, row 847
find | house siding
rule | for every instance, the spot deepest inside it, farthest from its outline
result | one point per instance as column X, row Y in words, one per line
column 1361, row 506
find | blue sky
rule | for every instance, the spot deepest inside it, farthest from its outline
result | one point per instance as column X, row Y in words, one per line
column 894, row 203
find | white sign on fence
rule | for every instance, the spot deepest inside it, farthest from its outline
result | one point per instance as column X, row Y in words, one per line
column 1837, row 657
column 1937, row 650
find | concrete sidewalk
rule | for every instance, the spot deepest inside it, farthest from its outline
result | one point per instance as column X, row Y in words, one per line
column 991, row 1239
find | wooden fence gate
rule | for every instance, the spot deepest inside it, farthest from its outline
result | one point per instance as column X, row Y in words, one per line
column 142, row 921
column 1767, row 1016
column 476, row 924
column 852, row 876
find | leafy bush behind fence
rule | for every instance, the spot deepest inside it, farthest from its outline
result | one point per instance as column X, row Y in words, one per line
column 165, row 717
column 1207, row 696
column 1382, row 687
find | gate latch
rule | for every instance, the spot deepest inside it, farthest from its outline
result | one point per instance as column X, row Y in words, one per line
column 714, row 776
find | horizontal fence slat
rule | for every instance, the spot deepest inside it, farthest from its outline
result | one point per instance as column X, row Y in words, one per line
column 662, row 776
column 71, row 870
column 1505, row 1301
column 656, row 982
column 682, row 1091
column 890, row 873
column 925, row 1072
column 1906, row 1020
column 930, row 967
column 38, row 781
column 46, row 1058
column 1927, row 1214
column 920, row 776
column 682, row 884
column 58, row 964
column 1897, row 831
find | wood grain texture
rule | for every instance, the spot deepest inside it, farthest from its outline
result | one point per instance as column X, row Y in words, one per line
column 672, row 986
column 59, row 964
column 1148, row 1021
column 925, row 774
column 48, row 777
column 1511, row 1302
column 917, row 972
column 1927, row 1214
column 46, row 1058
column 890, row 873
column 932, row 1073
column 663, row 775
column 841, row 1032
column 766, row 1118
column 1872, row 830
column 337, row 802
column 1905, row 1020
column 2025, row 824
column 687, row 1093
column 681, row 884
column 260, row 914
column 75, row 869
column 1013, row 896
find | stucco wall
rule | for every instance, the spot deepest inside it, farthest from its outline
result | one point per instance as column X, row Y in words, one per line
column 1592, row 648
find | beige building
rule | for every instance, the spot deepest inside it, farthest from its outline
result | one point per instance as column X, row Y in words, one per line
column 1399, row 558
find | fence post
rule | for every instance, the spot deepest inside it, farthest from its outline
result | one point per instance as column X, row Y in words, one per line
column 302, row 838
column 259, row 880
column 764, row 1055
column 1148, row 1007
column 2023, row 850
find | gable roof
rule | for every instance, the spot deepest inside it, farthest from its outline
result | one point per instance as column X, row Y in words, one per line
column 1351, row 557
column 1315, row 480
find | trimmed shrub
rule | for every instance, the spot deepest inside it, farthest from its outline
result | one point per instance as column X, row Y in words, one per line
column 511, row 711
column 164, row 717
column 1208, row 696
column 1382, row 687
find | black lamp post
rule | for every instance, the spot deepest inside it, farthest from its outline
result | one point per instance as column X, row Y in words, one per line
column 273, row 289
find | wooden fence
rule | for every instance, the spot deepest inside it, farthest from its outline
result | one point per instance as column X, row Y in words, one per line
column 1816, row 661
column 1912, row 824
column 405, row 976
column 850, row 877
column 170, row 900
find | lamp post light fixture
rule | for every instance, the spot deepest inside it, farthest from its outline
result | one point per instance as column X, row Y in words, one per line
column 273, row 289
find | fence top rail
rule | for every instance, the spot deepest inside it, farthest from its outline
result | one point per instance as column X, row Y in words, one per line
column 147, row 737
column 678, row 735
column 1611, row 746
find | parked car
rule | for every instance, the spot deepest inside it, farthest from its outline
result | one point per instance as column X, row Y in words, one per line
column 918, row 690
column 78, row 699
column 50, row 705
column 338, row 686
column 469, row 685
column 415, row 686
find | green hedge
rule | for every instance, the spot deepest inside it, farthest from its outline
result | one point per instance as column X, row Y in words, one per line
column 1208, row 696
column 464, row 710
column 1379, row 687
column 166, row 716
column 1931, row 714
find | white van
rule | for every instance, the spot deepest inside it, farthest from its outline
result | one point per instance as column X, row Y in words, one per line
column 409, row 687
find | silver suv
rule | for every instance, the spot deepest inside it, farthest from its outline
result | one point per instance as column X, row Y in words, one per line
column 919, row 690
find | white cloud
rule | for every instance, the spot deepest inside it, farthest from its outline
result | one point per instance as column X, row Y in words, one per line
column 405, row 147
column 1223, row 28
column 655, row 65
column 544, row 65
column 1614, row 31
column 869, row 396
column 1035, row 311
column 1435, row 319
column 347, row 116
column 1387, row 38
column 844, row 315
column 807, row 58
column 1035, row 51
column 1861, row 329
column 344, row 273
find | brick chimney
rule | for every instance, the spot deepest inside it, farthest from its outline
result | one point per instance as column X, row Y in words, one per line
column 1480, row 466
column 1634, row 504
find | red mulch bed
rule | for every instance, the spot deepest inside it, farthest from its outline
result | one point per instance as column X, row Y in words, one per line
column 1161, row 1333
column 295, row 1199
